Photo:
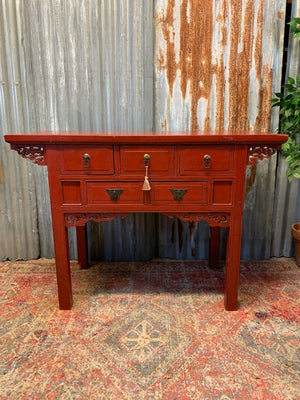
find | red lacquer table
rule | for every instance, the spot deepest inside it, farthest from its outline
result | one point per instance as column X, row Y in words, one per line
column 100, row 175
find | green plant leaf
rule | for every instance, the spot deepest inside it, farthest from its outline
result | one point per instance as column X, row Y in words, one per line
column 288, row 159
column 297, row 175
column 289, row 172
column 290, row 88
column 291, row 80
column 294, row 164
column 288, row 113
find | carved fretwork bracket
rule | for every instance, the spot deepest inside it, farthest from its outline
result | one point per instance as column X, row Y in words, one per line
column 37, row 154
column 213, row 218
column 260, row 153
column 80, row 219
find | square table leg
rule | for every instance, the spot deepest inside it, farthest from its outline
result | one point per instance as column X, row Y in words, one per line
column 214, row 247
column 62, row 262
column 82, row 246
column 233, row 263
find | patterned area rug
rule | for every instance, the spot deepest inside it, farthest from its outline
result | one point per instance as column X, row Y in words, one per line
column 152, row 330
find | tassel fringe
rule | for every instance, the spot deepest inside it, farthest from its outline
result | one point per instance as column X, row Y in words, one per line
column 146, row 185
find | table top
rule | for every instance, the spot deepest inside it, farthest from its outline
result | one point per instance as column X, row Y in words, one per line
column 155, row 137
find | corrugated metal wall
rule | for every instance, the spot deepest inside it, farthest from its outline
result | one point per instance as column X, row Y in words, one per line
column 287, row 199
column 217, row 63
column 137, row 65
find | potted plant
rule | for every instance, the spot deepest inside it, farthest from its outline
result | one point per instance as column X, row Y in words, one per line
column 289, row 123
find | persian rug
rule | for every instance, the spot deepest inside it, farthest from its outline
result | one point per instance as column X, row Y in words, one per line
column 150, row 330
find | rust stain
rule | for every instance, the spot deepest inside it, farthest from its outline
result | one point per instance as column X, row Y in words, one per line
column 164, row 125
column 194, row 63
column 281, row 14
column 221, row 18
column 169, row 62
column 258, row 41
column 264, row 75
column 250, row 180
column 196, row 68
column 263, row 119
column 160, row 60
column 199, row 31
column 240, row 64
column 220, row 69
column 185, row 48
column 220, row 92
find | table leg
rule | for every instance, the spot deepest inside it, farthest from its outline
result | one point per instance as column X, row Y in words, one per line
column 82, row 246
column 62, row 261
column 233, row 264
column 214, row 247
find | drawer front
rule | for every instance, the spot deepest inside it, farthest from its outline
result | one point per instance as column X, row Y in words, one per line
column 114, row 193
column 222, row 192
column 71, row 192
column 179, row 193
column 196, row 160
column 87, row 160
column 161, row 160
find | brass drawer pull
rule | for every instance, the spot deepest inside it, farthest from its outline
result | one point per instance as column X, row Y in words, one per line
column 146, row 160
column 114, row 194
column 178, row 194
column 86, row 160
column 206, row 160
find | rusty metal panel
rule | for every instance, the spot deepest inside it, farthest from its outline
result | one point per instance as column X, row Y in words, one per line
column 217, row 65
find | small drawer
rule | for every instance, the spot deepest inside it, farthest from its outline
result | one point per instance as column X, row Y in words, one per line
column 87, row 160
column 114, row 192
column 196, row 160
column 71, row 192
column 222, row 192
column 179, row 193
column 161, row 160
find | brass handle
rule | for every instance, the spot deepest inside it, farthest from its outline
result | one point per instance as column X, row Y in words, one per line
column 146, row 160
column 178, row 193
column 86, row 160
column 206, row 160
column 114, row 194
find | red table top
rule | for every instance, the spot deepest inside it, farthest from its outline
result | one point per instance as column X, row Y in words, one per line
column 135, row 137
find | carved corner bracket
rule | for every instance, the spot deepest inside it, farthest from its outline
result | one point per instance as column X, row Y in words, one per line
column 37, row 154
column 257, row 153
column 213, row 218
column 80, row 219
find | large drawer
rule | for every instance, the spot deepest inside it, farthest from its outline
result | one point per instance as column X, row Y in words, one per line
column 114, row 193
column 161, row 160
column 172, row 193
column 87, row 160
column 199, row 160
